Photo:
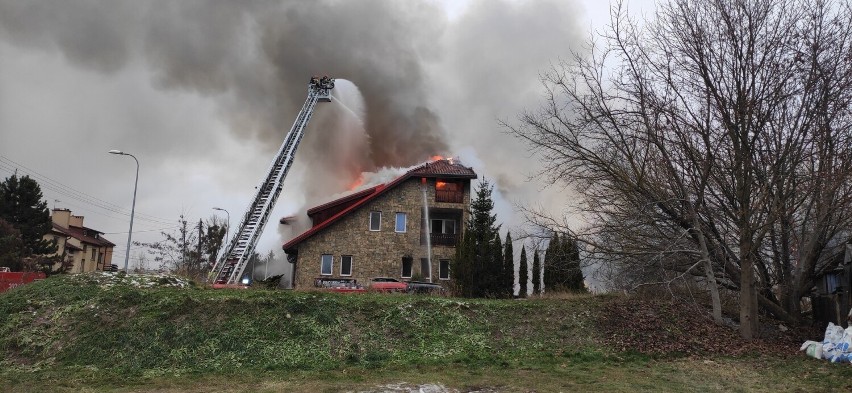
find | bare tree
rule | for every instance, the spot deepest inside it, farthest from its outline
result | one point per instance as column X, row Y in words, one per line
column 710, row 142
column 190, row 250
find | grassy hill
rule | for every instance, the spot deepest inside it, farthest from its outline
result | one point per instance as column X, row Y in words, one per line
column 111, row 331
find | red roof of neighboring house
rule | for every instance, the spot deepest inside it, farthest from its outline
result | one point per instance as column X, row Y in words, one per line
column 59, row 229
column 82, row 234
column 445, row 168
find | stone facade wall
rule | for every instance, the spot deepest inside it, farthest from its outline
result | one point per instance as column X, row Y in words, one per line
column 378, row 253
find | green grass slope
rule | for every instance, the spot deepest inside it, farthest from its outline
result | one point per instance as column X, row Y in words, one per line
column 78, row 321
column 111, row 332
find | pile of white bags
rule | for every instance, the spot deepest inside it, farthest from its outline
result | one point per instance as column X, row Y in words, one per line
column 836, row 346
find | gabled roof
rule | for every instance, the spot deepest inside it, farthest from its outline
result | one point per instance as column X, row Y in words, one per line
column 444, row 168
column 340, row 203
column 59, row 229
column 81, row 234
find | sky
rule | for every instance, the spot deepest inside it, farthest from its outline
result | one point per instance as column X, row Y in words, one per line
column 203, row 92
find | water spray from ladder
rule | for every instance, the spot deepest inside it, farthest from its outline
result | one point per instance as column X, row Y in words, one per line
column 428, row 227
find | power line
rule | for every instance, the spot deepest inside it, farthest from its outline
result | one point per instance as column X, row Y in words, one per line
column 11, row 165
column 46, row 182
column 149, row 230
column 86, row 211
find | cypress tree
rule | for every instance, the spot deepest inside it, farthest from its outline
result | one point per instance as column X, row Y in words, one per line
column 508, row 267
column 574, row 276
column 461, row 267
column 522, row 273
column 536, row 274
column 495, row 275
column 551, row 266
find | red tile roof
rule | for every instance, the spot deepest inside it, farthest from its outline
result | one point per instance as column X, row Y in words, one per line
column 61, row 230
column 340, row 201
column 445, row 168
column 81, row 233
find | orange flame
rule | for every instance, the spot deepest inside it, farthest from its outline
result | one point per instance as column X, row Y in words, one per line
column 436, row 158
column 357, row 183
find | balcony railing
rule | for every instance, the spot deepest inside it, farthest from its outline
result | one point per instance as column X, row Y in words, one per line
column 444, row 239
column 450, row 196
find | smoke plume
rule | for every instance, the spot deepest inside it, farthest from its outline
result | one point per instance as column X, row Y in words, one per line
column 421, row 83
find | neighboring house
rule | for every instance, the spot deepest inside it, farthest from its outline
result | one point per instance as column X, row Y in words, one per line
column 83, row 247
column 832, row 299
column 380, row 231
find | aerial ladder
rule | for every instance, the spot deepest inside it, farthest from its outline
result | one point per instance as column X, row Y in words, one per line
column 230, row 265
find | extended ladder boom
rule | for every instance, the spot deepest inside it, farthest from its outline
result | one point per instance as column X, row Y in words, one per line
column 230, row 265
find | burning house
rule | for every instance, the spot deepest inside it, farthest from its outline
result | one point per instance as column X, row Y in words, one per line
column 382, row 231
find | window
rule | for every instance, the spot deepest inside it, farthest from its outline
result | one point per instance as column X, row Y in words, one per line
column 401, row 221
column 325, row 266
column 444, row 226
column 375, row 221
column 444, row 269
column 346, row 265
column 94, row 250
column 406, row 267
column 424, row 268
column 832, row 282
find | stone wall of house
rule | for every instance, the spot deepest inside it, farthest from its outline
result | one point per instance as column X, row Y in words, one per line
column 379, row 253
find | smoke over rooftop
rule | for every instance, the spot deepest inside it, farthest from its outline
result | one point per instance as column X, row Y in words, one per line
column 421, row 83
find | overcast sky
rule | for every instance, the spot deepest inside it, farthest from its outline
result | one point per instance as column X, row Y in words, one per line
column 203, row 92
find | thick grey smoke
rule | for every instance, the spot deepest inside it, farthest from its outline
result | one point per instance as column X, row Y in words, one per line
column 422, row 84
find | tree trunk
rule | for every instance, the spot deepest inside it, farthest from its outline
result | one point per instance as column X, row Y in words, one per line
column 748, row 293
column 708, row 271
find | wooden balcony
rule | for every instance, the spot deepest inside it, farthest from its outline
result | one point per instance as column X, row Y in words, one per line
column 451, row 196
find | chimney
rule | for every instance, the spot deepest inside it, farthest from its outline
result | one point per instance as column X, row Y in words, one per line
column 61, row 217
column 76, row 221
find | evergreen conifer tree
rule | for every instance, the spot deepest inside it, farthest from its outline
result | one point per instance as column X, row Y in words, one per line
column 508, row 281
column 21, row 205
column 536, row 274
column 522, row 273
column 476, row 255
column 495, row 273
column 461, row 267
column 574, row 277
column 551, row 264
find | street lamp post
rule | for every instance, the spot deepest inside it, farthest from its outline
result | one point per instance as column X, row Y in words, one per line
column 228, row 225
column 132, row 207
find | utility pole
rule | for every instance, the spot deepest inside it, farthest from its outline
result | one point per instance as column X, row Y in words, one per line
column 183, row 241
column 199, row 245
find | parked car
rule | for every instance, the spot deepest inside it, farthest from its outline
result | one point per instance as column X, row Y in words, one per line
column 424, row 287
column 387, row 284
column 339, row 284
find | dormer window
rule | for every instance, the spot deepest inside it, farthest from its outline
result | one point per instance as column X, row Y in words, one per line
column 449, row 191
